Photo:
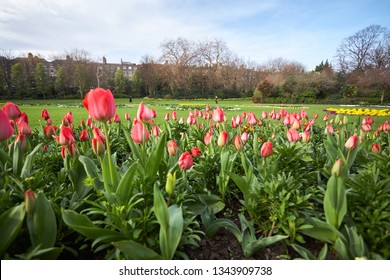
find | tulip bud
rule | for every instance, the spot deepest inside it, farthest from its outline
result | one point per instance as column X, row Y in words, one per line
column 337, row 119
column 195, row 152
column 223, row 139
column 29, row 200
column 172, row 147
column 345, row 120
column 376, row 148
column 98, row 146
column 351, row 142
column 185, row 161
column 238, row 143
column 266, row 150
column 171, row 182
column 336, row 169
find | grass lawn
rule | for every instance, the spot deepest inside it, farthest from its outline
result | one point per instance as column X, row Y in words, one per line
column 232, row 107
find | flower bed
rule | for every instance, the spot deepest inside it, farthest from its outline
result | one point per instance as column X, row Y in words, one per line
column 295, row 185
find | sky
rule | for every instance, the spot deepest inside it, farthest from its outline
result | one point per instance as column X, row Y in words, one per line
column 257, row 31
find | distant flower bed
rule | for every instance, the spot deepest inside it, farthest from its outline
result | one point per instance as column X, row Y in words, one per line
column 359, row 112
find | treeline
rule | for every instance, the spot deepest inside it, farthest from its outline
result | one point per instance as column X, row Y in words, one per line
column 205, row 69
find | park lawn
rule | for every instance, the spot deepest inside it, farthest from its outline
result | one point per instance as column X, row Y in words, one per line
column 232, row 107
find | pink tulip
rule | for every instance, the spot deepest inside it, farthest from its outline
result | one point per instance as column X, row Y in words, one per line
column 100, row 104
column 325, row 118
column 351, row 142
column 185, row 161
column 305, row 136
column 366, row 127
column 6, row 130
column 12, row 110
column 127, row 116
column 266, row 150
column 139, row 133
column 117, row 118
column 21, row 141
column 218, row 115
column 223, row 138
column 264, row 115
column 207, row 138
column 293, row 135
column 155, row 131
column 174, row 115
column 252, row 120
column 195, row 152
column 244, row 136
column 166, row 117
column 234, row 124
column 172, row 147
column 329, row 129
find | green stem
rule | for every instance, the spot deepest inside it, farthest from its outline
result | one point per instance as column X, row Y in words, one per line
column 265, row 168
column 108, row 149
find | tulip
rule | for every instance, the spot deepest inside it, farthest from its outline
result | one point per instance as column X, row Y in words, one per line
column 386, row 126
column 139, row 133
column 223, row 138
column 166, row 117
column 244, row 136
column 29, row 201
column 127, row 116
column 292, row 135
column 66, row 136
column 252, row 120
column 6, row 130
column 98, row 133
column 45, row 114
column 172, row 147
column 264, row 115
column 238, row 143
column 336, row 168
column 24, row 128
column 296, row 124
column 181, row 120
column 234, row 124
column 266, row 150
column 174, row 115
column 144, row 114
column 325, row 118
column 185, row 161
column 376, row 148
column 49, row 131
column 329, row 129
column 351, row 142
column 117, row 118
column 12, row 110
column 21, row 141
column 84, row 136
column 100, row 104
column 98, row 146
column 218, row 115
column 171, row 182
column 207, row 138
column 195, row 152
column 305, row 136
column 155, row 131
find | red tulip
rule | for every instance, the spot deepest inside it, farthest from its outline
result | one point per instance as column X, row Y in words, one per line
column 127, row 116
column 6, row 130
column 351, row 142
column 195, row 152
column 139, row 133
column 24, row 128
column 144, row 114
column 238, row 143
column 84, row 136
column 117, row 119
column 29, row 201
column 12, row 110
column 45, row 114
column 185, row 161
column 21, row 141
column 172, row 147
column 100, row 104
column 375, row 148
column 174, row 115
column 22, row 118
column 223, row 139
column 386, row 126
column 66, row 136
column 293, row 135
column 49, row 131
column 266, row 150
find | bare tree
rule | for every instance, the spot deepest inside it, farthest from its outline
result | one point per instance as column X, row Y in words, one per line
column 362, row 50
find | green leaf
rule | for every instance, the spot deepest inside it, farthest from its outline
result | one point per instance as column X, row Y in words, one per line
column 226, row 224
column 110, row 174
column 157, row 155
column 335, row 201
column 89, row 166
column 305, row 253
column 160, row 209
column 44, row 254
column 175, row 230
column 42, row 224
column 17, row 158
column 241, row 184
column 211, row 201
column 252, row 247
column 125, row 187
column 135, row 251
column 83, row 225
column 11, row 222
column 26, row 170
column 320, row 230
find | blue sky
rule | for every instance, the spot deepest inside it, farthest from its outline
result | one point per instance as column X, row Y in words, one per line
column 304, row 31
